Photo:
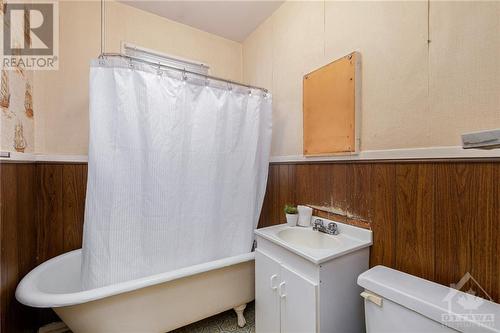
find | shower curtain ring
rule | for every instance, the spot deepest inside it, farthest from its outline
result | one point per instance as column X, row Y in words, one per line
column 184, row 76
column 159, row 69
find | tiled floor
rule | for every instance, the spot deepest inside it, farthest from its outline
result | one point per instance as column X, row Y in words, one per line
column 223, row 323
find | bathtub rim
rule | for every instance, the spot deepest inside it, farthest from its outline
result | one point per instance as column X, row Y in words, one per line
column 28, row 293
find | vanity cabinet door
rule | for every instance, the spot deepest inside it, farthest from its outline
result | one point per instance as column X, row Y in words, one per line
column 267, row 304
column 298, row 299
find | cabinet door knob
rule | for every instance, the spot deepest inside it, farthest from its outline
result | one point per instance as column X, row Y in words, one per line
column 273, row 277
column 281, row 288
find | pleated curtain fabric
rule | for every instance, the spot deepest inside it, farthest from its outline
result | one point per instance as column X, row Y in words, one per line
column 177, row 171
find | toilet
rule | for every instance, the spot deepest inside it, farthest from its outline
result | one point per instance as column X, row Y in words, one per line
column 400, row 302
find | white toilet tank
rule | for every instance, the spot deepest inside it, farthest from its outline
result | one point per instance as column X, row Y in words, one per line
column 400, row 302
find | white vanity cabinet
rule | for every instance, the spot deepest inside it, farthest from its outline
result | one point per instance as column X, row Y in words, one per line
column 287, row 301
column 305, row 286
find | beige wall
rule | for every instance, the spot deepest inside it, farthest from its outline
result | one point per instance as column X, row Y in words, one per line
column 61, row 97
column 412, row 95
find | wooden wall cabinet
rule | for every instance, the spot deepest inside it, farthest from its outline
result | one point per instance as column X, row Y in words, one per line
column 332, row 107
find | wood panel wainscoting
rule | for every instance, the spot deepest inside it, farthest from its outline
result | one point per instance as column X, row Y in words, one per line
column 41, row 216
column 434, row 219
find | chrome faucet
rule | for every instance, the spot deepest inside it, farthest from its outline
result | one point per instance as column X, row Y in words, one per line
column 330, row 229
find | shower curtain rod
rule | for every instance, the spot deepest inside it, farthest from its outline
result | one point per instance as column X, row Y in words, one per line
column 104, row 55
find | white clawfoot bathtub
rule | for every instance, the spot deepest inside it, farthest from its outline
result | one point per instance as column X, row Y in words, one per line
column 158, row 303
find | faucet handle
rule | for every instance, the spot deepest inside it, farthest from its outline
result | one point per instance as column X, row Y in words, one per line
column 317, row 223
column 332, row 228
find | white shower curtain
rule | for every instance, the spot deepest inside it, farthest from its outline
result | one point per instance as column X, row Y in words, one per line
column 177, row 171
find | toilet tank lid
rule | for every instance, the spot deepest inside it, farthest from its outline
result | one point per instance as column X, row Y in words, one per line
column 451, row 307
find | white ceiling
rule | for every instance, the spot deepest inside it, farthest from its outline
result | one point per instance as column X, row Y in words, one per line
column 234, row 20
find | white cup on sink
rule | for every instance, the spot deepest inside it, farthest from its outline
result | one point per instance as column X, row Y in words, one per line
column 305, row 215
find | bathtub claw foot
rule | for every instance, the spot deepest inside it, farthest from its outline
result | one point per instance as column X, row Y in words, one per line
column 239, row 312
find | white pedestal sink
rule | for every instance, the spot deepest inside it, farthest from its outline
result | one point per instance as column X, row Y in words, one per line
column 305, row 280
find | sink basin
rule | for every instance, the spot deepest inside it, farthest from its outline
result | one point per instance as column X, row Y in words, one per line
column 314, row 246
column 308, row 238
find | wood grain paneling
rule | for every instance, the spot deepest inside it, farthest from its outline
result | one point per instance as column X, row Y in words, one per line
column 478, row 218
column 383, row 215
column 9, row 258
column 359, row 196
column 18, row 242
column 279, row 192
column 495, row 231
column 436, row 220
column 453, row 224
column 415, row 219
column 42, row 209
column 74, row 184
column 49, row 216
column 26, row 238
column 323, row 186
